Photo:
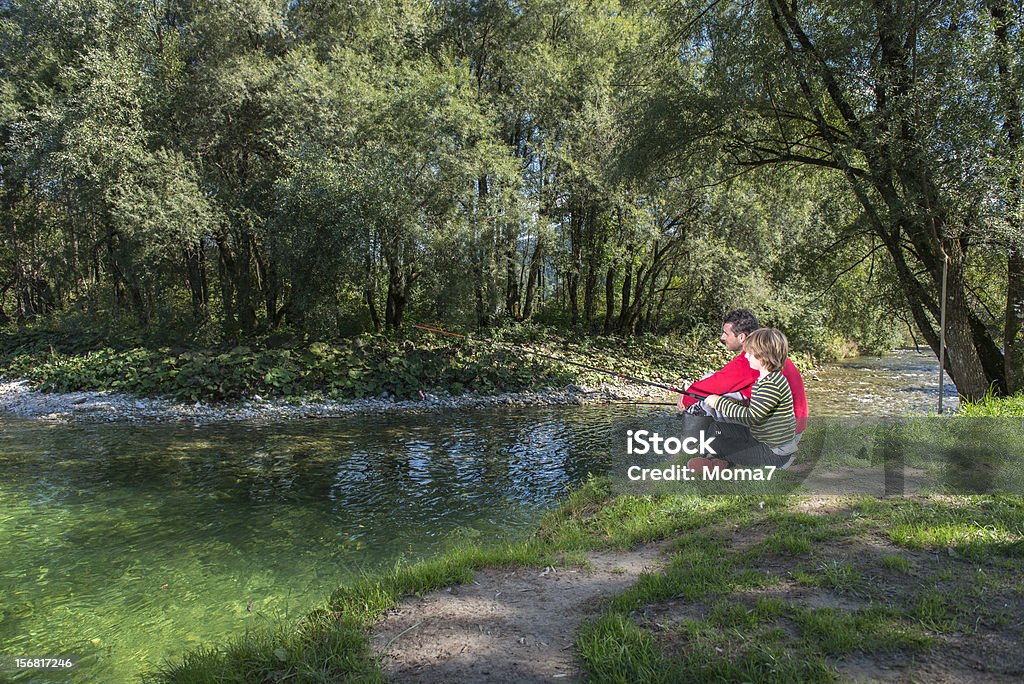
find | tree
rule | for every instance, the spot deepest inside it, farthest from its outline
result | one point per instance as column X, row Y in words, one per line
column 884, row 94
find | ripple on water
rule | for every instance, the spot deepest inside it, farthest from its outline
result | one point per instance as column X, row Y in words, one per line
column 132, row 542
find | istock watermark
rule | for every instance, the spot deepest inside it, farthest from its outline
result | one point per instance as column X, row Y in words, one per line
column 678, row 473
column 843, row 455
column 645, row 442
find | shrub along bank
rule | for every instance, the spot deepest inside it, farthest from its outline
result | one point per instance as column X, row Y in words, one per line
column 365, row 366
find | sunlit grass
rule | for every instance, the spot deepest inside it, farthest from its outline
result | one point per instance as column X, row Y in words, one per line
column 748, row 633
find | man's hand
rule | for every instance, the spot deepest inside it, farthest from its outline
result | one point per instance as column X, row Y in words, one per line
column 681, row 403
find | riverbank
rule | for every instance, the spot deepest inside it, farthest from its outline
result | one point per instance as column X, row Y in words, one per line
column 19, row 398
column 729, row 588
column 53, row 378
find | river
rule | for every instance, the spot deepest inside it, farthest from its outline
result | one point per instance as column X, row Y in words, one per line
column 125, row 545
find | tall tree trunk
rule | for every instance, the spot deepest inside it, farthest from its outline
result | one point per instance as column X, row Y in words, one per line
column 1013, row 332
column 245, row 310
column 592, row 253
column 533, row 279
column 401, row 276
column 609, row 299
column 572, row 277
column 197, row 286
column 511, row 282
column 1004, row 20
column 371, row 306
column 225, row 267
column 964, row 362
column 627, row 291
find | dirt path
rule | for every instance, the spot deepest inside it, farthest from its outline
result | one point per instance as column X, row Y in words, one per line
column 507, row 626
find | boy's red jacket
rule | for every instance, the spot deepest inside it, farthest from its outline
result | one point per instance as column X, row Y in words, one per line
column 738, row 376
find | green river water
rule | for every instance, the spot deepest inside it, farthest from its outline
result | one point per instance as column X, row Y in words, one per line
column 125, row 545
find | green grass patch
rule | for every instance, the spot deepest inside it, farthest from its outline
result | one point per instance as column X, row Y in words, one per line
column 727, row 613
column 936, row 611
column 623, row 522
column 692, row 573
column 973, row 528
column 873, row 630
column 993, row 406
column 837, row 575
column 787, row 543
column 616, row 650
column 894, row 561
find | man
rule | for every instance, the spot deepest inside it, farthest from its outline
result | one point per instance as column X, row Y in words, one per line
column 737, row 378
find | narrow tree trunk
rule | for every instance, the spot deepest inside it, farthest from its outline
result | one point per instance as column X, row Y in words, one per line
column 196, row 281
column 1004, row 17
column 1013, row 332
column 371, row 306
column 609, row 299
column 370, row 284
column 533, row 279
column 511, row 283
column 627, row 294
column 245, row 310
column 225, row 266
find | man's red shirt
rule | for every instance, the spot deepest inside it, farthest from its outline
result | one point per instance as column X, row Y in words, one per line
column 738, row 376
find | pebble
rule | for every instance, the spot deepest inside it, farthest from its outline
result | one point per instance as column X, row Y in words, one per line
column 19, row 398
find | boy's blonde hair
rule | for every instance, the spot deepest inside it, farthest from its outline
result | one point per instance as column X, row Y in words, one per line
column 770, row 347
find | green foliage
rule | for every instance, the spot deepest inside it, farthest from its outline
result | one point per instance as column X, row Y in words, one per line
column 251, row 166
column 993, row 406
column 366, row 366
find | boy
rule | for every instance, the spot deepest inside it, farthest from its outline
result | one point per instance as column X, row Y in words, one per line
column 738, row 377
column 769, row 416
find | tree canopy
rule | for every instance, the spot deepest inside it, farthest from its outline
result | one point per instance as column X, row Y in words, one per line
column 219, row 169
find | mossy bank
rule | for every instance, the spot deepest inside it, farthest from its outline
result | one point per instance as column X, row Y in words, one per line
column 366, row 374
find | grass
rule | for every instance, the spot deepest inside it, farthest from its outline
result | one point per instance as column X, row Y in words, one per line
column 753, row 630
column 332, row 644
column 744, row 569
column 992, row 406
column 896, row 562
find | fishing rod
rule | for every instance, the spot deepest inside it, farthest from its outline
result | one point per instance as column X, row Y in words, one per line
column 616, row 374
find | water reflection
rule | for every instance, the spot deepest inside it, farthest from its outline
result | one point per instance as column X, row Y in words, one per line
column 124, row 544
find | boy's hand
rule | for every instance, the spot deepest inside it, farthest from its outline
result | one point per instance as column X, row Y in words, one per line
column 712, row 400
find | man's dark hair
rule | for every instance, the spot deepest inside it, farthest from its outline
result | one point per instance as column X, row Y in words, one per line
column 742, row 320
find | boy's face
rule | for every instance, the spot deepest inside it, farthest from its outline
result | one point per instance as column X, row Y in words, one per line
column 732, row 342
column 754, row 362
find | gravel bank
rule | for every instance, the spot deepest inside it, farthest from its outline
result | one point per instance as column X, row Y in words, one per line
column 18, row 398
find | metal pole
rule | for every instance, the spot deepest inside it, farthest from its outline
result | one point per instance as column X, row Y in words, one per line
column 942, row 330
